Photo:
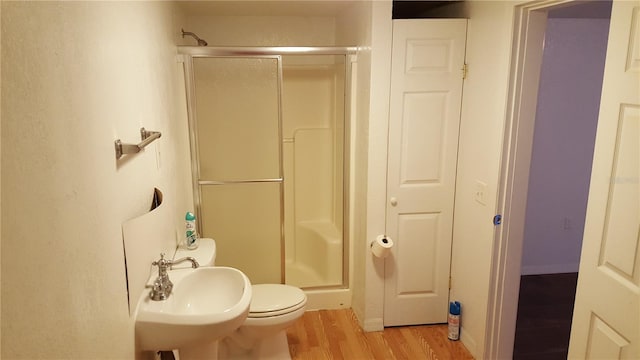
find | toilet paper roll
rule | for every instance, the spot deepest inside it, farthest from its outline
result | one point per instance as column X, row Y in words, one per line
column 381, row 247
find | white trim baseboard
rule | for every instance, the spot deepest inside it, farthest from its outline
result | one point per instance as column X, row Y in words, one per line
column 373, row 325
column 328, row 299
column 469, row 342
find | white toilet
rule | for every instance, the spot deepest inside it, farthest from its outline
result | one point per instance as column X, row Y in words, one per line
column 274, row 307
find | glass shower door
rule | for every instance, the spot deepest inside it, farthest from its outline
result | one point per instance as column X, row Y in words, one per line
column 237, row 144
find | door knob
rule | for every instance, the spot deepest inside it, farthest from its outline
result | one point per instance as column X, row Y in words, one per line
column 393, row 201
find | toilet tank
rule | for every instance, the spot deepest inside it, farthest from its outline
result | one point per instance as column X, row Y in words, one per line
column 205, row 254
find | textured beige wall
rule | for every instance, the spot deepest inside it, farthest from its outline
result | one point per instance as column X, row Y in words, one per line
column 481, row 137
column 262, row 30
column 354, row 28
column 79, row 75
column 377, row 135
column 0, row 183
column 368, row 25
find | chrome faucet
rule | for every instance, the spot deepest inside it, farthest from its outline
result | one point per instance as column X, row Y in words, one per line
column 162, row 286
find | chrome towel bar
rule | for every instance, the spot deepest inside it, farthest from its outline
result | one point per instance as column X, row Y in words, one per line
column 147, row 138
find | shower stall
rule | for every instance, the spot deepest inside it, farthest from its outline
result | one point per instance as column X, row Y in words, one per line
column 268, row 132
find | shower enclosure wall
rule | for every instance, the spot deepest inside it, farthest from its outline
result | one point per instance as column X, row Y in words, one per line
column 268, row 147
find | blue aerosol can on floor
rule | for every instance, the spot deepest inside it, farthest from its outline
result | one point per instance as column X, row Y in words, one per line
column 453, row 320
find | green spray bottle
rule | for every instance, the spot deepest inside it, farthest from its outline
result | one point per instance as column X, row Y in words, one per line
column 191, row 234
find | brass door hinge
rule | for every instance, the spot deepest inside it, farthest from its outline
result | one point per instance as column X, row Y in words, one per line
column 465, row 69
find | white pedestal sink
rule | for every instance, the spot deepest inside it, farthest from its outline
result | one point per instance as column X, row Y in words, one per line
column 206, row 304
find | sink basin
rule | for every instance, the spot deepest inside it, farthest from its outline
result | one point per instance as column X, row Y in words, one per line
column 205, row 305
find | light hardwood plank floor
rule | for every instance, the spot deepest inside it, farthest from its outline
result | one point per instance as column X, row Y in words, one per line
column 335, row 334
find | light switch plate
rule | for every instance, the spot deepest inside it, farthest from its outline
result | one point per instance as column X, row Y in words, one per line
column 480, row 192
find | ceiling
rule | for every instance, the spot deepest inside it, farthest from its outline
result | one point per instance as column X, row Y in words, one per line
column 410, row 9
column 401, row 8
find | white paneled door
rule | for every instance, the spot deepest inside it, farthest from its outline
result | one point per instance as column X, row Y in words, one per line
column 426, row 91
column 606, row 317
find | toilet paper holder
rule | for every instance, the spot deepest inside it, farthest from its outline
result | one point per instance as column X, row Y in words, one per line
column 381, row 246
column 384, row 239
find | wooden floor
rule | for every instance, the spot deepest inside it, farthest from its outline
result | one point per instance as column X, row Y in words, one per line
column 335, row 334
column 545, row 309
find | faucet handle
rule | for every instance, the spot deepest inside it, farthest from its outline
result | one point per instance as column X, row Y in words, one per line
column 162, row 286
column 163, row 263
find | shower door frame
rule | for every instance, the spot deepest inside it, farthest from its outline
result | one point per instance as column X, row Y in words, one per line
column 272, row 52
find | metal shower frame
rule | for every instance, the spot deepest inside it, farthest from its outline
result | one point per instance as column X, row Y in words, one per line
column 271, row 52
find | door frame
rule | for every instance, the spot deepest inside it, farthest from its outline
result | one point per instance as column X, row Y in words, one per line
column 526, row 59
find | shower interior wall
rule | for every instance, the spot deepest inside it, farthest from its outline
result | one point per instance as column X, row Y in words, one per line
column 313, row 134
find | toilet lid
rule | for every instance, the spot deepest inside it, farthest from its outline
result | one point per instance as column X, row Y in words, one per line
column 275, row 299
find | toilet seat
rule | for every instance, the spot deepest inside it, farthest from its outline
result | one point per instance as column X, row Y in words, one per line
column 275, row 299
